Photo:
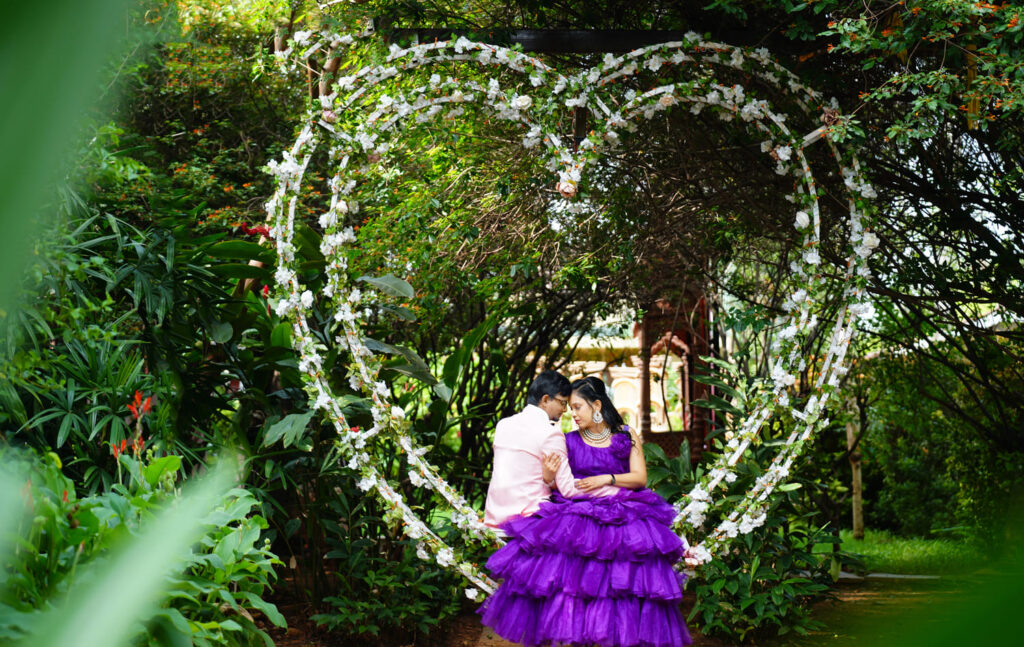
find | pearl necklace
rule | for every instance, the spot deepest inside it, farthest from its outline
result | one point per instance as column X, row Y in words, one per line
column 598, row 437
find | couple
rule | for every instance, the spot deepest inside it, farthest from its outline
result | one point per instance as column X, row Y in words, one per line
column 592, row 562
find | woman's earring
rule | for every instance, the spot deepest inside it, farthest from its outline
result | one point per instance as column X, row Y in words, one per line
column 598, row 418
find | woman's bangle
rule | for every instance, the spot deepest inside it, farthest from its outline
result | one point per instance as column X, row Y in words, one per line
column 613, row 479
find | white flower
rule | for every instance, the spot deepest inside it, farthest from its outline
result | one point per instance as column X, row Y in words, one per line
column 323, row 401
column 522, row 102
column 729, row 528
column 397, row 413
column 784, row 153
column 802, row 220
column 747, row 523
column 306, row 299
column 667, row 100
column 870, row 241
column 700, row 553
column 283, row 307
column 699, row 494
column 416, row 478
column 344, row 313
column 366, row 483
column 421, row 551
column 445, row 557
column 472, row 594
column 811, row 257
column 863, row 310
column 781, row 377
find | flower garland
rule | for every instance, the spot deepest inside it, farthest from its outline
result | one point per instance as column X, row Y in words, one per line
column 355, row 151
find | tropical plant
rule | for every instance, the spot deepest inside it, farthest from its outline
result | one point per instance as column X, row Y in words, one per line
column 208, row 598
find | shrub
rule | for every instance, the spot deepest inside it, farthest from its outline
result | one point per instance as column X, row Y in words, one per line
column 209, row 601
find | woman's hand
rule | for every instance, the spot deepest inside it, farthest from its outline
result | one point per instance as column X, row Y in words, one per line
column 593, row 482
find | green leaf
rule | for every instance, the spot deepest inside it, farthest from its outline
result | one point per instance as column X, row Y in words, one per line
column 177, row 620
column 443, row 391
column 722, row 386
column 789, row 487
column 290, row 428
column 719, row 404
column 159, row 467
column 388, row 284
column 221, row 332
column 400, row 311
column 281, row 335
column 244, row 250
column 379, row 346
column 267, row 608
column 241, row 271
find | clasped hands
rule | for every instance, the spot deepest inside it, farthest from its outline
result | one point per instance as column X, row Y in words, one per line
column 550, row 464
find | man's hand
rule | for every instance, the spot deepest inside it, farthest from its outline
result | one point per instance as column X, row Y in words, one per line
column 549, row 465
column 593, row 482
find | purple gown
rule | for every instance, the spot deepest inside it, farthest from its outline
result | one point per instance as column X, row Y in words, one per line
column 591, row 570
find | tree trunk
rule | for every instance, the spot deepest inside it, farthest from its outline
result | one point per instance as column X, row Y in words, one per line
column 852, row 432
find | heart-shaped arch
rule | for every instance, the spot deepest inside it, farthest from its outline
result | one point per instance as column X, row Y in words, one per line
column 354, row 151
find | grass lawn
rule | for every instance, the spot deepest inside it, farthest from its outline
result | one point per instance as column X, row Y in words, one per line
column 885, row 553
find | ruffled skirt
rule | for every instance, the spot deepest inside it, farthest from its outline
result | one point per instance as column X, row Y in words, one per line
column 590, row 571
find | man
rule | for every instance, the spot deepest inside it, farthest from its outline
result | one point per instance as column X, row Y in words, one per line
column 522, row 444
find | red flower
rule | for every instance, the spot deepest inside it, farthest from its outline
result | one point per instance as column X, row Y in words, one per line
column 119, row 449
column 140, row 407
column 65, row 496
column 262, row 230
column 266, row 291
column 138, row 445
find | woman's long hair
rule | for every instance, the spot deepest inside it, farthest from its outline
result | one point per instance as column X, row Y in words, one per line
column 592, row 390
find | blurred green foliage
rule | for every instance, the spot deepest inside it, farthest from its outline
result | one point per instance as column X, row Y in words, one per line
column 208, row 599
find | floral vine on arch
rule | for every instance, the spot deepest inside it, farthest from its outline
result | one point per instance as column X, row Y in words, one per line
column 356, row 150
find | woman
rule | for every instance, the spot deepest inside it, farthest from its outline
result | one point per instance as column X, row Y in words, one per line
column 593, row 570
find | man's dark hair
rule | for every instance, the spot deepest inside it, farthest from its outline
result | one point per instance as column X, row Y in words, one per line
column 549, row 383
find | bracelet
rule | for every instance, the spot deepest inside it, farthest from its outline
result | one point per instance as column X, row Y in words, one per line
column 613, row 479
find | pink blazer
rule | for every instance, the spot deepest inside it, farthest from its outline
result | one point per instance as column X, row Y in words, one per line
column 517, row 481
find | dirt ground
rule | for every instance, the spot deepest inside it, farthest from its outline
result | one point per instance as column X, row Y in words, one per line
column 882, row 605
column 464, row 631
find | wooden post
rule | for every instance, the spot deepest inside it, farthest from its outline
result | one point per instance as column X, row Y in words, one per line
column 852, row 432
column 645, row 381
